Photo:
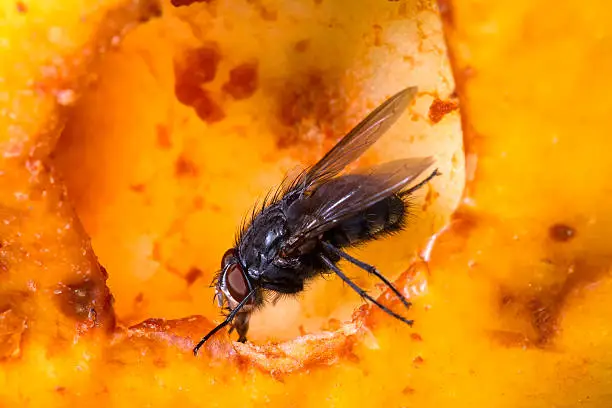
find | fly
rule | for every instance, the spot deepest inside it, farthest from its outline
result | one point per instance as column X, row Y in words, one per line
column 303, row 230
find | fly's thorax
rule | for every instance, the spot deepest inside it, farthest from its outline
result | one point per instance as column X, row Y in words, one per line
column 260, row 244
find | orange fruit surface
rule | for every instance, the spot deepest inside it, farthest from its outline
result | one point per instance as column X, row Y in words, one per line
column 137, row 135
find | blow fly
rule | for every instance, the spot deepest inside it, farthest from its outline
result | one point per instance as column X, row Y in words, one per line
column 303, row 230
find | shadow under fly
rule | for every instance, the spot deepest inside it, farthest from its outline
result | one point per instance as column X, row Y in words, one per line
column 302, row 230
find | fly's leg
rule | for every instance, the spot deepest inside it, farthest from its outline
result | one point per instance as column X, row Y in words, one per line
column 227, row 321
column 422, row 183
column 368, row 268
column 362, row 292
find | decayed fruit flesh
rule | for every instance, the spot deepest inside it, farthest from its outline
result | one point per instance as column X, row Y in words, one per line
column 161, row 162
column 185, row 179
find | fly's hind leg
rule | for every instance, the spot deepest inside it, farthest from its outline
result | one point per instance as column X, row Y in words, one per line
column 329, row 264
column 368, row 268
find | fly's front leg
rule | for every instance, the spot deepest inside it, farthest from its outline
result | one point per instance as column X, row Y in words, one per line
column 230, row 317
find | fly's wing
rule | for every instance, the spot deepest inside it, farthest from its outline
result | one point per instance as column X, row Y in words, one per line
column 345, row 196
column 358, row 140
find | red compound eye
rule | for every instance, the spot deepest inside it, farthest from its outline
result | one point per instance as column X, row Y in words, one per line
column 228, row 257
column 236, row 282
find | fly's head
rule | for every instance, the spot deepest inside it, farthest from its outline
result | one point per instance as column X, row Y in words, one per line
column 233, row 284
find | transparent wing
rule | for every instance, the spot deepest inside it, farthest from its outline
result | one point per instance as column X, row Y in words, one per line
column 347, row 195
column 359, row 139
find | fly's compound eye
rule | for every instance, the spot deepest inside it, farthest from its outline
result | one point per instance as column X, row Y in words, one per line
column 236, row 282
column 228, row 257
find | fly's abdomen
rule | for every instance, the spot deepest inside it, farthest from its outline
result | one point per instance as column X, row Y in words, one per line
column 384, row 217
